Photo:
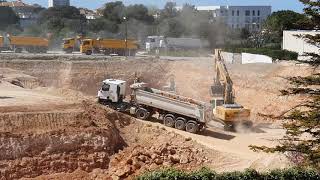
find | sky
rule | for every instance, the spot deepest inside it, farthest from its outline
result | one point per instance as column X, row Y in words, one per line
column 276, row 4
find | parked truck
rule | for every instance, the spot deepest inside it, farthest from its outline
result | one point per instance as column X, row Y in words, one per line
column 20, row 43
column 70, row 45
column 176, row 111
column 108, row 47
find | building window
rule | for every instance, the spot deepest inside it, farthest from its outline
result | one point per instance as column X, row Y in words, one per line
column 232, row 26
column 238, row 13
column 258, row 26
column 247, row 13
column 232, row 12
column 258, row 12
column 253, row 13
column 237, row 26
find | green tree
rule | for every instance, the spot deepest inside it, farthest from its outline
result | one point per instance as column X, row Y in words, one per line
column 59, row 18
column 114, row 11
column 169, row 11
column 7, row 17
column 284, row 20
column 302, row 123
column 102, row 24
column 140, row 13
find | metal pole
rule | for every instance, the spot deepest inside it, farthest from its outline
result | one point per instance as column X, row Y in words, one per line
column 126, row 36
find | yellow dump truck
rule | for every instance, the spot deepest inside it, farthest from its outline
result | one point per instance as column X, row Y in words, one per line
column 70, row 45
column 108, row 46
column 20, row 43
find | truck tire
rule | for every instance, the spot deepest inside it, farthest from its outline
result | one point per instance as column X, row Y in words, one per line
column 192, row 127
column 18, row 50
column 180, row 123
column 89, row 52
column 169, row 120
column 68, row 51
column 142, row 114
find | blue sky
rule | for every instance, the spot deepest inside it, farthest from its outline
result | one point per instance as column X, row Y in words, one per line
column 276, row 4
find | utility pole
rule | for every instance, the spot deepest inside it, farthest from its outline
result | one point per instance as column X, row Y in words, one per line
column 126, row 36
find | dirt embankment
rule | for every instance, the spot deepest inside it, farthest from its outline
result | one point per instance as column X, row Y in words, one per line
column 84, row 140
column 86, row 76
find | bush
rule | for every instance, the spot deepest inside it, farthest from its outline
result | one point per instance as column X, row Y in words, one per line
column 273, row 53
column 207, row 174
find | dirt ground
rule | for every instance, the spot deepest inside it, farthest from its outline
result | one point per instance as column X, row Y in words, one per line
column 51, row 127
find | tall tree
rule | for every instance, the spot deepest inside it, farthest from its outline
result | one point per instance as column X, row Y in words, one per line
column 140, row 13
column 169, row 10
column 302, row 123
column 66, row 17
column 284, row 20
column 7, row 17
column 114, row 11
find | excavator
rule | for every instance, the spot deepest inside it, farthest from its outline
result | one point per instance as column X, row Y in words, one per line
column 225, row 110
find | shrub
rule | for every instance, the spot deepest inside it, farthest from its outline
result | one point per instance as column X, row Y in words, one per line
column 273, row 53
column 207, row 174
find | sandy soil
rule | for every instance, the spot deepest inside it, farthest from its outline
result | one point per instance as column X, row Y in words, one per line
column 39, row 98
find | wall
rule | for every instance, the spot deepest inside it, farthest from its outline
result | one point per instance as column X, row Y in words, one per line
column 296, row 44
column 245, row 58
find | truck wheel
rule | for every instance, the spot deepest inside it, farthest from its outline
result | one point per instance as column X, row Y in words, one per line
column 169, row 120
column 89, row 52
column 142, row 114
column 18, row 50
column 192, row 127
column 180, row 123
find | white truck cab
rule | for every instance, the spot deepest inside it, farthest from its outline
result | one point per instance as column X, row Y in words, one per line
column 112, row 90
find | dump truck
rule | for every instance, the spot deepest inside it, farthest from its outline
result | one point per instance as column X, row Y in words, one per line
column 70, row 45
column 20, row 43
column 108, row 47
column 175, row 111
column 225, row 109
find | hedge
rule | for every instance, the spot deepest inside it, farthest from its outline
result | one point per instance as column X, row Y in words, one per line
column 207, row 174
column 273, row 53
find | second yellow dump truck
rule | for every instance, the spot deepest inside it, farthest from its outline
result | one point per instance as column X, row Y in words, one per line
column 72, row 44
column 20, row 43
column 109, row 46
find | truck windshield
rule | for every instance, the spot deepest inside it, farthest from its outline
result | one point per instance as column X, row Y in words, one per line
column 105, row 87
column 86, row 42
column 66, row 42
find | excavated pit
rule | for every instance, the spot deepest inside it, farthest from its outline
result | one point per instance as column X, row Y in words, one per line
column 47, row 130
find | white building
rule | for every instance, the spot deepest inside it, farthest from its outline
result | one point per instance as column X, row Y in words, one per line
column 57, row 3
column 296, row 44
column 238, row 17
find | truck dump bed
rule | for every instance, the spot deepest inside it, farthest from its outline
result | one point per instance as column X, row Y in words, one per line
column 172, row 103
column 28, row 41
column 115, row 44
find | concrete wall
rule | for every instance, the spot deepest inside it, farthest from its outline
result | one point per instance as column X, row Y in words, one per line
column 248, row 58
column 245, row 58
column 299, row 45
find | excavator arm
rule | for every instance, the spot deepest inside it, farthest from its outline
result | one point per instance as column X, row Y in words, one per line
column 229, row 113
column 223, row 85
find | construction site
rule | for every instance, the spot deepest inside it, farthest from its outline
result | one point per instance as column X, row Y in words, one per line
column 52, row 126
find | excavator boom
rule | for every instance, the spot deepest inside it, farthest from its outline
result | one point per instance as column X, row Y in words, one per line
column 223, row 85
column 225, row 109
